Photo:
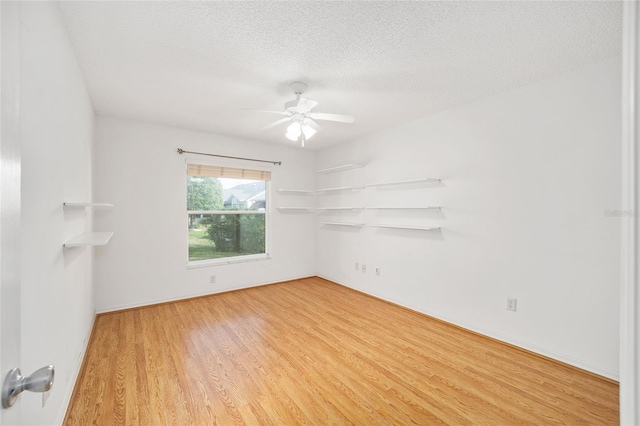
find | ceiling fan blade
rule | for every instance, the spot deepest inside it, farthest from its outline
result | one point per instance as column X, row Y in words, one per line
column 306, row 105
column 275, row 123
column 332, row 117
column 264, row 110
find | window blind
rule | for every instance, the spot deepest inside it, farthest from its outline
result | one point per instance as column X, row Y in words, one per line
column 207, row 170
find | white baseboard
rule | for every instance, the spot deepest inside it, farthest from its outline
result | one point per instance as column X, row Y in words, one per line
column 188, row 296
column 579, row 363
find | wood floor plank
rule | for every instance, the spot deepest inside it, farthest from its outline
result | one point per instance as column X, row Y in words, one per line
column 313, row 352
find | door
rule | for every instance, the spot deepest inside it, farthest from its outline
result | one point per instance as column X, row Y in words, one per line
column 10, row 309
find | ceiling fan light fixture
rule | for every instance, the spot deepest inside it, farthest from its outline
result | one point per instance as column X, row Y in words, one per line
column 293, row 131
column 308, row 131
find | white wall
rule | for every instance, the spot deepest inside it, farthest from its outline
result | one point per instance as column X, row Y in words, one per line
column 137, row 169
column 57, row 133
column 527, row 177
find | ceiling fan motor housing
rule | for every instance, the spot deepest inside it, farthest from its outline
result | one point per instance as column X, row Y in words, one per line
column 299, row 105
column 298, row 87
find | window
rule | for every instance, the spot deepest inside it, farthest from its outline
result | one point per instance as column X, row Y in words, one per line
column 226, row 213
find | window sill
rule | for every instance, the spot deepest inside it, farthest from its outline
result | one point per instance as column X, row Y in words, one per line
column 227, row 261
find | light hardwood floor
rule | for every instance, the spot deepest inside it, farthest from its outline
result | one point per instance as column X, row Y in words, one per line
column 314, row 352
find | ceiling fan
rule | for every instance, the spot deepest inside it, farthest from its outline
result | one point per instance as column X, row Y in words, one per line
column 298, row 112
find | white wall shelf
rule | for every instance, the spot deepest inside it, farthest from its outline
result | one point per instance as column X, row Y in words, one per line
column 404, row 182
column 419, row 228
column 295, row 191
column 339, row 208
column 405, row 208
column 89, row 239
column 341, row 168
column 294, row 208
column 355, row 225
column 341, row 188
column 83, row 205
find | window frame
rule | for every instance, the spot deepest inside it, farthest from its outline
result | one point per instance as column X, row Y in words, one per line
column 191, row 264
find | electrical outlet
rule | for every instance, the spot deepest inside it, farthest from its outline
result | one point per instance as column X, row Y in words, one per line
column 212, row 279
column 357, row 266
column 512, row 304
column 378, row 271
column 364, row 268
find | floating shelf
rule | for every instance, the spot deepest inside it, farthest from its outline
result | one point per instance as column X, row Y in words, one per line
column 82, row 205
column 90, row 239
column 342, row 188
column 295, row 191
column 404, row 182
column 420, row 228
column 355, row 225
column 342, row 168
column 339, row 208
column 405, row 208
column 294, row 208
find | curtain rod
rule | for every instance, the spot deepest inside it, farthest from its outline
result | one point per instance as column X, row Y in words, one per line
column 275, row 163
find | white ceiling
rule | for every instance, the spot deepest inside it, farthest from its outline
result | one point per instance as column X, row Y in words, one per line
column 196, row 64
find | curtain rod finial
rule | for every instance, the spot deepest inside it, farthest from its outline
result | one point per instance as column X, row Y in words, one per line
column 180, row 151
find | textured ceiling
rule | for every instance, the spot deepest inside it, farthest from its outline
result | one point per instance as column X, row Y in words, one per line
column 196, row 64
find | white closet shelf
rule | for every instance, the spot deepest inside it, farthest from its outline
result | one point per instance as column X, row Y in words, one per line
column 341, row 188
column 405, row 208
column 339, row 208
column 295, row 191
column 355, row 225
column 82, row 205
column 294, row 208
column 341, row 168
column 90, row 239
column 404, row 182
column 420, row 228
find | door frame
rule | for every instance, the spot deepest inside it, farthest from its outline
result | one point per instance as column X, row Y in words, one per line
column 10, row 170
